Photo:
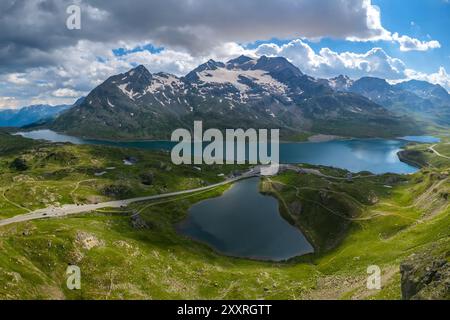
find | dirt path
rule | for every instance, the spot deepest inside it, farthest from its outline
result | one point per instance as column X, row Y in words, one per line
column 77, row 185
column 12, row 202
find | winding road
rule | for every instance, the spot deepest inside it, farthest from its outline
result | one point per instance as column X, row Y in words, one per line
column 437, row 153
column 71, row 209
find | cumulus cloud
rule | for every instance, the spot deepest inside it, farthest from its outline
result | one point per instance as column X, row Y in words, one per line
column 66, row 93
column 440, row 77
column 410, row 44
column 32, row 30
column 328, row 63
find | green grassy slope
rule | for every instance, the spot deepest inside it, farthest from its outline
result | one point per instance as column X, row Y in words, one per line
column 353, row 224
column 56, row 174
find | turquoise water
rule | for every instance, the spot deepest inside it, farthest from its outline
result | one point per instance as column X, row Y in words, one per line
column 244, row 223
column 374, row 155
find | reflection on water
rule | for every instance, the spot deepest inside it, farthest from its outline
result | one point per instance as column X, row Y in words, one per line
column 244, row 223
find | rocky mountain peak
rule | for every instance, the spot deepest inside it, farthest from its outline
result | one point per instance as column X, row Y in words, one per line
column 425, row 89
column 209, row 65
column 140, row 68
column 371, row 83
column 277, row 65
column 140, row 73
column 242, row 62
column 341, row 83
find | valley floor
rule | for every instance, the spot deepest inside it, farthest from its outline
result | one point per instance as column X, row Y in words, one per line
column 135, row 253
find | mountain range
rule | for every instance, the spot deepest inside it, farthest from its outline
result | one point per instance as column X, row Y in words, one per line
column 268, row 92
column 419, row 99
column 30, row 114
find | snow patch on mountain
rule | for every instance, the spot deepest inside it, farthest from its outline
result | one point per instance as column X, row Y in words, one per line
column 123, row 87
column 163, row 81
column 109, row 103
column 237, row 77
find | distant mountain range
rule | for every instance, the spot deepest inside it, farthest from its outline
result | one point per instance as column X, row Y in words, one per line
column 29, row 115
column 268, row 92
column 420, row 99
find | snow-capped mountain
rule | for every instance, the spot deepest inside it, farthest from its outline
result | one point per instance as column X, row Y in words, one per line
column 268, row 92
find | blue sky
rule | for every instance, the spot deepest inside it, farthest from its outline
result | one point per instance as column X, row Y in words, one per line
column 419, row 19
column 44, row 62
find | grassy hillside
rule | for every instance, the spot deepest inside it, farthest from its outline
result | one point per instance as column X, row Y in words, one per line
column 378, row 220
column 36, row 175
column 10, row 144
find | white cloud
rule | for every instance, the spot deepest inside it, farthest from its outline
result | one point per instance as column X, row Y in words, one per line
column 66, row 93
column 17, row 78
column 8, row 103
column 411, row 44
column 440, row 77
column 406, row 43
column 32, row 31
column 328, row 63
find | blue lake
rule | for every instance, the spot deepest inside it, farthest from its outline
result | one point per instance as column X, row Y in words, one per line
column 374, row 155
column 244, row 223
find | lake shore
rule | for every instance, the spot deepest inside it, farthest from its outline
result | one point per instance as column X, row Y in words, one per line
column 325, row 138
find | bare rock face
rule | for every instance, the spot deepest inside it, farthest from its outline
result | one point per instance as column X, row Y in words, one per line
column 425, row 277
column 372, row 198
column 88, row 241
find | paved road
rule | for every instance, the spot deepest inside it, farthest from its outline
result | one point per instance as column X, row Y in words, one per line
column 70, row 209
column 437, row 153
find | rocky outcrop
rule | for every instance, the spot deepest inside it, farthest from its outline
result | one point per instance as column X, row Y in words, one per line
column 425, row 277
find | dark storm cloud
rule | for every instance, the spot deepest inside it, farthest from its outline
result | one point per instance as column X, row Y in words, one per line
column 31, row 29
